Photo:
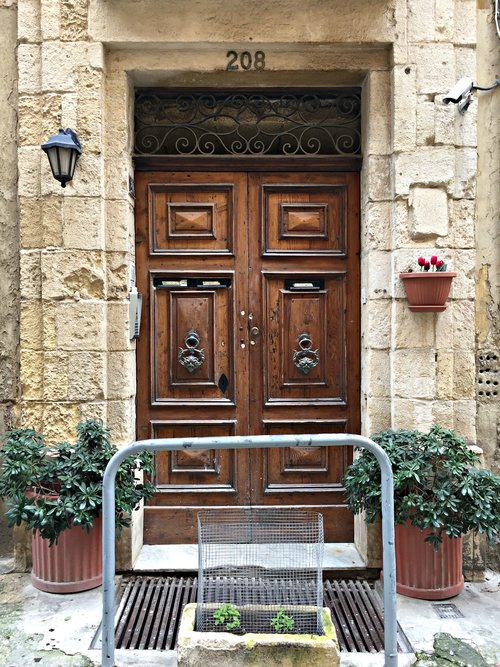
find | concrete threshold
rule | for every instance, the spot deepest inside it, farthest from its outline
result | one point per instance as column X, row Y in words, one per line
column 175, row 558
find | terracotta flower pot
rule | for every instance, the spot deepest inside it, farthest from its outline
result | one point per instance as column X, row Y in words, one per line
column 427, row 291
column 73, row 564
column 422, row 572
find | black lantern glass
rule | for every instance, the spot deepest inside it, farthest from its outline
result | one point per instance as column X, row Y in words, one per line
column 63, row 150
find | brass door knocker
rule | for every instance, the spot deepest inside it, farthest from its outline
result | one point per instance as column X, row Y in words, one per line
column 305, row 359
column 191, row 357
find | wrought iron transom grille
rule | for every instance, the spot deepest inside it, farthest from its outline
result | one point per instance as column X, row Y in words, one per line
column 287, row 124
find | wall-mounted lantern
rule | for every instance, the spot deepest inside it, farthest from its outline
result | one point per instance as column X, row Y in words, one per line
column 63, row 150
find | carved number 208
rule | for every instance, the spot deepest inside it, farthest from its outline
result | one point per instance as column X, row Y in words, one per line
column 246, row 60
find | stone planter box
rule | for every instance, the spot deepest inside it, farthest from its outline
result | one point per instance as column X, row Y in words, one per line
column 214, row 649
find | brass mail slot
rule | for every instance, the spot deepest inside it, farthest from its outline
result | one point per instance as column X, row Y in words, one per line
column 304, row 285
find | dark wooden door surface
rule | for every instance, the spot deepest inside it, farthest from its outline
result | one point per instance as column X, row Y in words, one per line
column 250, row 326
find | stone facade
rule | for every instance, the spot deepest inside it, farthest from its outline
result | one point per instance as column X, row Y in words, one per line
column 77, row 64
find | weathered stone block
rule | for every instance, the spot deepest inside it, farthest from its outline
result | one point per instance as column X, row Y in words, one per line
column 428, row 213
column 82, row 223
column 445, row 375
column 377, row 174
column 465, row 22
column 59, row 421
column 31, row 375
column 444, row 19
column 442, row 413
column 89, row 107
column 121, row 420
column 464, row 413
column 445, row 118
column 404, row 134
column 30, row 221
column 29, row 68
column 120, row 375
column 376, row 414
column 421, row 24
column 28, row 21
column 117, row 271
column 61, row 60
column 376, row 225
column 213, row 649
column 30, row 275
column 31, row 327
column 378, row 274
column 81, row 326
column 86, row 379
column 39, row 118
column 411, row 413
column 119, row 225
column 463, row 262
column 93, row 410
column 435, row 66
column 377, row 325
column 74, row 20
column 414, row 374
column 50, row 19
column 430, row 165
column 425, row 121
column 465, row 173
column 55, row 376
column 412, row 329
column 461, row 225
column 77, row 274
column 28, row 163
column 464, row 374
column 31, row 415
column 377, row 377
column 118, row 327
column 378, row 121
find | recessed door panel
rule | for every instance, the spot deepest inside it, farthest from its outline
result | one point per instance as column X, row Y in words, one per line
column 193, row 336
column 305, row 338
column 303, row 219
column 192, row 218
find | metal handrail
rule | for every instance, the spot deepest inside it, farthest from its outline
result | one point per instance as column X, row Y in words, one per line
column 248, row 442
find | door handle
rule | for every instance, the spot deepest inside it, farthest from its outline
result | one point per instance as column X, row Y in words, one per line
column 254, row 332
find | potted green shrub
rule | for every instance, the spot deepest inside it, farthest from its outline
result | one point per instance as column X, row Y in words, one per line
column 57, row 493
column 440, row 494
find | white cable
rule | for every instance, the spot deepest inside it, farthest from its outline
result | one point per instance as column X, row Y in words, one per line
column 497, row 17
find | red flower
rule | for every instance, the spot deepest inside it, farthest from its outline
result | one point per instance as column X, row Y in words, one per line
column 427, row 266
column 434, row 259
column 439, row 263
column 421, row 261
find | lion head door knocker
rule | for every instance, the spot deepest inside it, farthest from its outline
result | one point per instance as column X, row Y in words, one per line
column 305, row 359
column 191, row 357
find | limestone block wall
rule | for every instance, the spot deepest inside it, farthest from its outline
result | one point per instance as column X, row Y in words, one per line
column 78, row 63
column 9, row 246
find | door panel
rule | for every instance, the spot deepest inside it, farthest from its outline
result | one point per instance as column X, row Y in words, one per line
column 193, row 338
column 305, row 339
column 251, row 285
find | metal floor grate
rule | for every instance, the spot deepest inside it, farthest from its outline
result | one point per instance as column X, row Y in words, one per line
column 149, row 612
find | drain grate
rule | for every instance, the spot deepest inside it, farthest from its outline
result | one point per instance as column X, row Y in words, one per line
column 150, row 608
column 447, row 610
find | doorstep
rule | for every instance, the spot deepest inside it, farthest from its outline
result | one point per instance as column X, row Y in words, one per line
column 338, row 557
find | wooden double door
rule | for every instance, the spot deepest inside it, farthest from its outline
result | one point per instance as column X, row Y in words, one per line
column 250, row 325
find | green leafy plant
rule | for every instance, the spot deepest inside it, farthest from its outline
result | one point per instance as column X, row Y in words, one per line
column 282, row 623
column 51, row 489
column 227, row 615
column 437, row 484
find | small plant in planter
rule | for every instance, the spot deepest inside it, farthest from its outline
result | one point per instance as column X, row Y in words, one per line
column 228, row 616
column 428, row 289
column 282, row 623
column 438, row 488
column 57, row 490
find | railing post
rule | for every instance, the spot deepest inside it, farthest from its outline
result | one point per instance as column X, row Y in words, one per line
column 249, row 442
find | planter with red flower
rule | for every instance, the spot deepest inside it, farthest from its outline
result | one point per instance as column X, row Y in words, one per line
column 428, row 289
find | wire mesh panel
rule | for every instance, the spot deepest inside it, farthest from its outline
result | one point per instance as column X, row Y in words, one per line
column 260, row 570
